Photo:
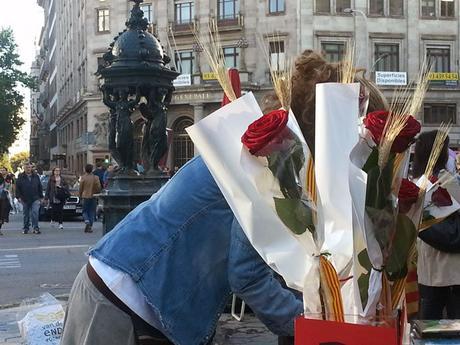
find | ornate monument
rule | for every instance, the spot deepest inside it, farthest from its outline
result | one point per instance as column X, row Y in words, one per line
column 135, row 69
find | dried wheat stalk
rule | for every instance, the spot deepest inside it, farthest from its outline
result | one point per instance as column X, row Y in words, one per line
column 215, row 55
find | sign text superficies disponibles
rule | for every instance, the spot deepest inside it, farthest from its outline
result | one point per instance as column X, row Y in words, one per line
column 391, row 78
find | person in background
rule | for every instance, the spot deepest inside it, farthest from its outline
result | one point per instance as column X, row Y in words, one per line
column 89, row 185
column 56, row 194
column 30, row 193
column 99, row 172
column 108, row 173
column 10, row 187
column 438, row 247
column 140, row 167
column 5, row 205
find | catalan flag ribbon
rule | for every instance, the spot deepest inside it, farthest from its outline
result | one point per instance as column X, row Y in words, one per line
column 330, row 288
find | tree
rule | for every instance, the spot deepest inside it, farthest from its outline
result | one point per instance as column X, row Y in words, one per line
column 11, row 100
column 19, row 159
column 5, row 162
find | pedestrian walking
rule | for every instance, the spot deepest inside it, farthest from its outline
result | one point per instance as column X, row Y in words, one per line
column 57, row 193
column 10, row 187
column 89, row 185
column 5, row 205
column 30, row 194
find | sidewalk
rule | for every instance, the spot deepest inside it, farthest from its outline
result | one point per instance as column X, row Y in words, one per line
column 230, row 332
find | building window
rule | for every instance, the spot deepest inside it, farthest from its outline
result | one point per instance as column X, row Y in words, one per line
column 276, row 6
column 184, row 62
column 341, row 5
column 228, row 9
column 323, row 6
column 447, row 8
column 231, row 57
column 438, row 8
column 438, row 58
column 376, row 7
column 428, row 8
column 103, row 20
column 277, row 55
column 333, row 51
column 436, row 113
column 396, row 8
column 147, row 9
column 184, row 12
column 386, row 57
column 183, row 149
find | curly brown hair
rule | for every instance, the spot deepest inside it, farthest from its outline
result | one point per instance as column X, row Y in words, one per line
column 310, row 69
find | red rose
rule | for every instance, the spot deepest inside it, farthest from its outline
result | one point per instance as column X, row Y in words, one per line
column 441, row 197
column 375, row 123
column 408, row 195
column 267, row 133
column 433, row 179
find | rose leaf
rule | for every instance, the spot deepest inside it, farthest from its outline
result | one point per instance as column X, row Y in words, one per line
column 405, row 236
column 295, row 215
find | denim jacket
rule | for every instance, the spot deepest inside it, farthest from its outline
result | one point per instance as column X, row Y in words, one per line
column 184, row 250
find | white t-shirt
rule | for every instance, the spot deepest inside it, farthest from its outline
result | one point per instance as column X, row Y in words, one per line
column 126, row 290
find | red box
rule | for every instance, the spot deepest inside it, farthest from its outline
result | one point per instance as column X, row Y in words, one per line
column 320, row 332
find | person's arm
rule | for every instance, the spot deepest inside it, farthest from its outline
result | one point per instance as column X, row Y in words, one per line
column 19, row 189
column 252, row 280
column 80, row 189
column 48, row 190
column 444, row 236
column 40, row 187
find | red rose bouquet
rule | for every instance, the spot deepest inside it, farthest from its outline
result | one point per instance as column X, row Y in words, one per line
column 441, row 199
column 270, row 137
column 386, row 206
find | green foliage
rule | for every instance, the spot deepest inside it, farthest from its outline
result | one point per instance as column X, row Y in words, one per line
column 19, row 159
column 11, row 100
column 295, row 215
column 405, row 237
column 5, row 162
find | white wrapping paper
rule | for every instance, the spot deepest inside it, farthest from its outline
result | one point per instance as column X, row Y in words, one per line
column 337, row 113
column 239, row 175
column 336, row 132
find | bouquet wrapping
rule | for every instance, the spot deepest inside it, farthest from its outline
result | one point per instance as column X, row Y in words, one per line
column 241, row 177
column 383, row 236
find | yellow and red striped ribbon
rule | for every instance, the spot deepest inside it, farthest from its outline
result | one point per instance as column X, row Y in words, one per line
column 311, row 180
column 330, row 286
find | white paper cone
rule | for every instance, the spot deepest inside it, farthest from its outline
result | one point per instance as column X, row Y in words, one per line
column 238, row 173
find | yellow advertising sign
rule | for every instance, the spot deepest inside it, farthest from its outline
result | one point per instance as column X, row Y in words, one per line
column 209, row 76
column 442, row 76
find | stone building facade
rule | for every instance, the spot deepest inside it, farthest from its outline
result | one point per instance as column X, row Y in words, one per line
column 391, row 36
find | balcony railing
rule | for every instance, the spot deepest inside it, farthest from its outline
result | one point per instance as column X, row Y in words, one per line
column 235, row 22
column 44, row 99
column 152, row 28
column 184, row 28
column 44, row 71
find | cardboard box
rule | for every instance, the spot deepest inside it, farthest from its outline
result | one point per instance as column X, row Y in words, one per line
column 320, row 332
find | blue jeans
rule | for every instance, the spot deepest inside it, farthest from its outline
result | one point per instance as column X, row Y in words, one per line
column 31, row 211
column 89, row 210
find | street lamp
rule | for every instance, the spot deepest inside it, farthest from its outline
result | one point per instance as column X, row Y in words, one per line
column 361, row 13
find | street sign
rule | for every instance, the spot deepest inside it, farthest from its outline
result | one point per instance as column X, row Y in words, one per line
column 183, row 80
column 391, row 78
column 209, row 76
